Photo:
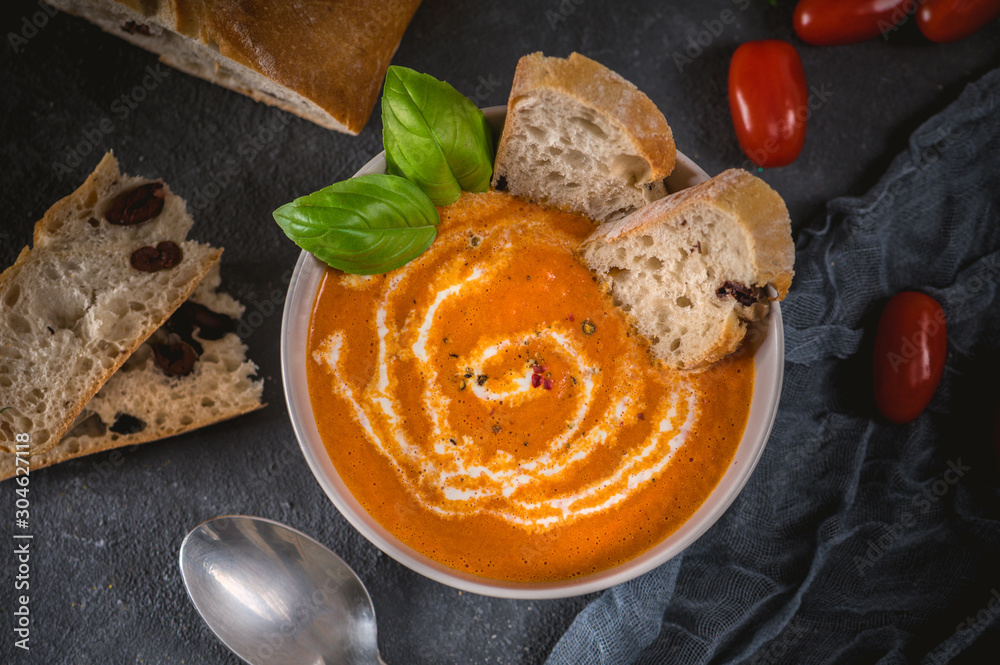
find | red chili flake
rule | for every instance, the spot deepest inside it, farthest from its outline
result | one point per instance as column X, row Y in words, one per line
column 539, row 369
column 536, row 380
column 571, row 318
column 547, row 384
column 642, row 416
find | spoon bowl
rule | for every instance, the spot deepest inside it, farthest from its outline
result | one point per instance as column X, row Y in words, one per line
column 274, row 595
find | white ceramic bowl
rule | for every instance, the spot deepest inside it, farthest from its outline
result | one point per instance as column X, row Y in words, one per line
column 769, row 360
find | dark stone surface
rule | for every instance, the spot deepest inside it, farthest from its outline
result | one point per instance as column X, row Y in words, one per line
column 105, row 586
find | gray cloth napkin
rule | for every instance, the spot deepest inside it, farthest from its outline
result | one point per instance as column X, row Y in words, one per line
column 855, row 540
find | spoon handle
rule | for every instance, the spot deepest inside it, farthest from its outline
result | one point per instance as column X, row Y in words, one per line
column 379, row 657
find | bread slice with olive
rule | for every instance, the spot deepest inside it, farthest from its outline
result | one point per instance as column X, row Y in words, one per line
column 694, row 269
column 110, row 264
column 143, row 401
column 581, row 138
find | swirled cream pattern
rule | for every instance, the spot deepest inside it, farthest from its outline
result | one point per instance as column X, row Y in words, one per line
column 489, row 403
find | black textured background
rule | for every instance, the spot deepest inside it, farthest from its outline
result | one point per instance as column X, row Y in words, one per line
column 105, row 586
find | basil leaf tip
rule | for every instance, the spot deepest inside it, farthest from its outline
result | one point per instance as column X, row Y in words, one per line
column 434, row 136
column 366, row 225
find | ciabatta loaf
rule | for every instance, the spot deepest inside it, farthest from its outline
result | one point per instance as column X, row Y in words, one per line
column 579, row 137
column 111, row 262
column 694, row 268
column 142, row 403
column 323, row 60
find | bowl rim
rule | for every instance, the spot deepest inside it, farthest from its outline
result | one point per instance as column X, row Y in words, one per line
column 296, row 315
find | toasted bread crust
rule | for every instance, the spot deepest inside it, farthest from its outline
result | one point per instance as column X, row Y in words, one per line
column 608, row 93
column 333, row 53
column 341, row 69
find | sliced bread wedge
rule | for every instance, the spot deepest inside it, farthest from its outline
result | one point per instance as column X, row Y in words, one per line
column 110, row 264
column 581, row 138
column 141, row 403
column 694, row 268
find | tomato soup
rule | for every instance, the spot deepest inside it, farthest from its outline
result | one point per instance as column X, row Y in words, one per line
column 489, row 405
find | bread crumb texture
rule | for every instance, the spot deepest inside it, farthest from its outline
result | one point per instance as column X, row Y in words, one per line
column 73, row 308
column 140, row 403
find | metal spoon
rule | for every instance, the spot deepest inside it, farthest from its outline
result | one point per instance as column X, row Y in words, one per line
column 275, row 596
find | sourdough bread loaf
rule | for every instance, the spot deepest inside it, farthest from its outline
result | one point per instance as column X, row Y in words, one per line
column 141, row 402
column 78, row 304
column 579, row 137
column 694, row 269
column 323, row 60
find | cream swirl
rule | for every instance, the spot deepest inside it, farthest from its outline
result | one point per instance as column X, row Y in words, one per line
column 451, row 468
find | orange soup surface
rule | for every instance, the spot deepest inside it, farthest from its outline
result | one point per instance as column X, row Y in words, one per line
column 488, row 405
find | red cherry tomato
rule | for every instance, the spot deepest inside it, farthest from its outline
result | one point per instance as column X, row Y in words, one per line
column 831, row 23
column 769, row 101
column 910, row 348
column 951, row 20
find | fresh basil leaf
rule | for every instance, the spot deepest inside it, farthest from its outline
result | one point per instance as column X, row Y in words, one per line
column 366, row 225
column 434, row 136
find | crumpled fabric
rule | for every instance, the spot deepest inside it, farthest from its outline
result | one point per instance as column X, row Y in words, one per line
column 856, row 540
